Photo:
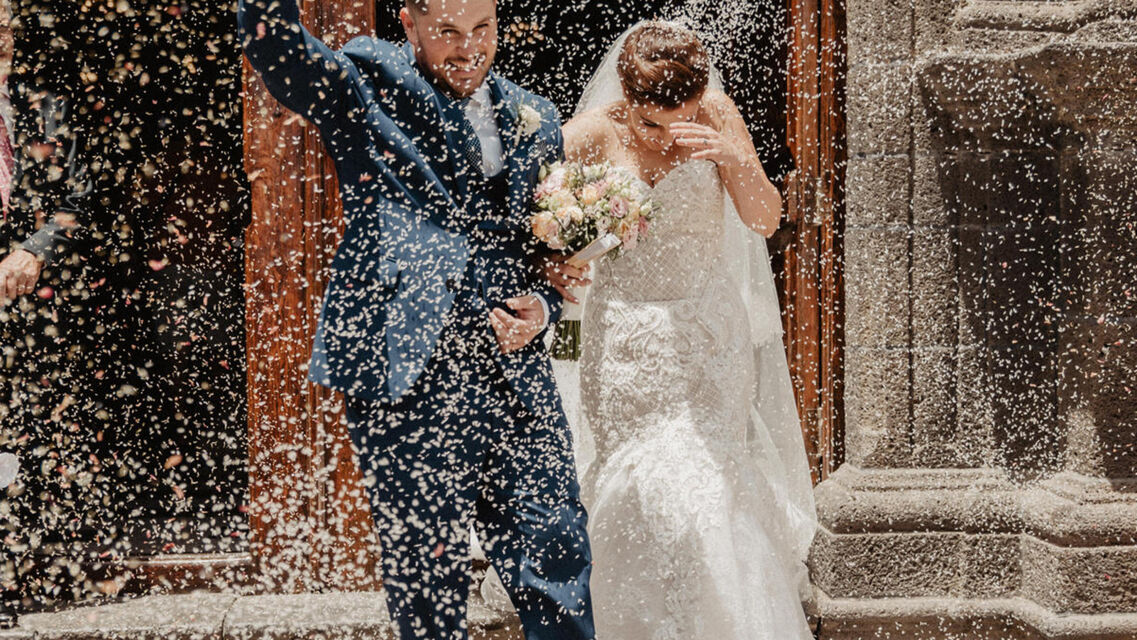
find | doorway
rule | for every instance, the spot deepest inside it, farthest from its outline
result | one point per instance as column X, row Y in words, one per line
column 309, row 515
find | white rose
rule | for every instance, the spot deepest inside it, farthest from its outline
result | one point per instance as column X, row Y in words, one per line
column 560, row 199
column 528, row 120
column 570, row 214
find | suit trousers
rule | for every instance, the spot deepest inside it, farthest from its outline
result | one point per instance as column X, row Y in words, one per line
column 461, row 447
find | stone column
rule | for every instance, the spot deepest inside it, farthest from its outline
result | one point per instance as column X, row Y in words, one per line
column 991, row 326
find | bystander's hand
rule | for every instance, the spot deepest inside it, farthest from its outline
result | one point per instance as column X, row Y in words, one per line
column 19, row 272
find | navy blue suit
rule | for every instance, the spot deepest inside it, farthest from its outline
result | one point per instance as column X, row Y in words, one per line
column 449, row 430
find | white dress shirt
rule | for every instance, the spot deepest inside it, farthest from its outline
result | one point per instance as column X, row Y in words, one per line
column 480, row 113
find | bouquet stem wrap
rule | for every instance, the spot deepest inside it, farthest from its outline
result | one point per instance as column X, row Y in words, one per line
column 566, row 335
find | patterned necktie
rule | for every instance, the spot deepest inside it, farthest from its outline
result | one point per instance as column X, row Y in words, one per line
column 471, row 144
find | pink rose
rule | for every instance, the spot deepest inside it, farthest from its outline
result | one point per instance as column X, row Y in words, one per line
column 554, row 182
column 630, row 237
column 619, row 206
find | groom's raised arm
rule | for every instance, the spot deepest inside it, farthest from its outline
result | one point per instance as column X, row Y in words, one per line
column 300, row 71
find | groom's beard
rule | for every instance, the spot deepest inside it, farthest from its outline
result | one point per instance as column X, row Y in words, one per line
column 438, row 75
column 463, row 77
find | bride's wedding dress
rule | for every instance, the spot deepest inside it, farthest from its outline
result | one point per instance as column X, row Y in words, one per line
column 697, row 523
column 689, row 449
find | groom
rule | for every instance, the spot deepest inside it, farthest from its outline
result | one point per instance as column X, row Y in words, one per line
column 434, row 309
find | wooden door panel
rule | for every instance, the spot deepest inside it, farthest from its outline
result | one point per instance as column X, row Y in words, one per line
column 311, row 527
column 813, row 281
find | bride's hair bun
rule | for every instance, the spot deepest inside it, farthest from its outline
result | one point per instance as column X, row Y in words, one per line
column 663, row 64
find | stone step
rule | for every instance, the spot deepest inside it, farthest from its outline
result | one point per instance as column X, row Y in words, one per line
column 969, row 534
column 214, row 616
column 961, row 619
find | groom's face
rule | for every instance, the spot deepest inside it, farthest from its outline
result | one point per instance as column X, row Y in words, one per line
column 454, row 40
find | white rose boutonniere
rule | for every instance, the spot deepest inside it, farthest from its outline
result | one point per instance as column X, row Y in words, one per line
column 528, row 120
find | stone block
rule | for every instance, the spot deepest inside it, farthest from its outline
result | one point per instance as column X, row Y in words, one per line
column 1023, row 188
column 288, row 617
column 935, row 294
column 1099, row 235
column 877, row 191
column 1023, row 393
column 975, row 439
column 185, row 617
column 968, row 177
column 912, row 565
column 876, row 406
column 879, row 30
column 879, row 108
column 933, row 185
column 964, row 101
column 1109, row 248
column 1098, row 397
column 933, row 24
column 881, row 565
column 989, row 566
column 972, row 287
column 961, row 619
column 876, row 276
column 1108, row 257
column 1080, row 580
column 934, row 424
column 1022, row 288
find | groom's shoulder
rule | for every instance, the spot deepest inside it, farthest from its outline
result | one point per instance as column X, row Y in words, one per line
column 542, row 104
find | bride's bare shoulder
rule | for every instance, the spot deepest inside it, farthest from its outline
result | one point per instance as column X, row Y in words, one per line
column 590, row 135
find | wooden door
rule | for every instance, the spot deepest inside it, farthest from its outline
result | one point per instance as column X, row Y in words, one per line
column 310, row 526
column 812, row 278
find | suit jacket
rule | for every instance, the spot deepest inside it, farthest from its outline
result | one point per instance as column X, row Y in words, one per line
column 391, row 134
column 59, row 183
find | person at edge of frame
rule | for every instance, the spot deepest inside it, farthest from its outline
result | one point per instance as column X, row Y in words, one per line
column 40, row 171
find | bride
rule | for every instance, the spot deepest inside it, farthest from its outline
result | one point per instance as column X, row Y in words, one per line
column 699, row 493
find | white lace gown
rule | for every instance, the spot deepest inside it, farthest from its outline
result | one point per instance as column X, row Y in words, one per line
column 690, row 538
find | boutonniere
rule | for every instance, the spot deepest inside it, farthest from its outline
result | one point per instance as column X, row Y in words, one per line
column 528, row 120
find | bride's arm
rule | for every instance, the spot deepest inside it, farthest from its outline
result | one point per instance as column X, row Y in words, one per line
column 729, row 145
column 587, row 138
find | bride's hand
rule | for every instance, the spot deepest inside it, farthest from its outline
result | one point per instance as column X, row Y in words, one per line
column 708, row 143
column 563, row 276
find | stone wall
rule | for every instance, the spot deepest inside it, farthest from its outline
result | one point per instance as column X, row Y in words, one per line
column 991, row 261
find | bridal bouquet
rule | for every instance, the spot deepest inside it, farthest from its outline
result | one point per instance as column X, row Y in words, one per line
column 589, row 210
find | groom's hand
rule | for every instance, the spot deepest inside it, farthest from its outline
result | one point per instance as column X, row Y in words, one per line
column 516, row 331
column 563, row 276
